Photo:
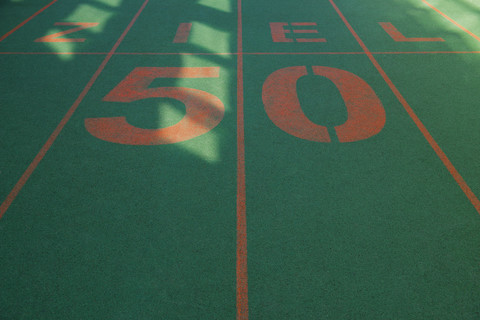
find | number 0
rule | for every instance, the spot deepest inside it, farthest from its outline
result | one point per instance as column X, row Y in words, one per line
column 366, row 115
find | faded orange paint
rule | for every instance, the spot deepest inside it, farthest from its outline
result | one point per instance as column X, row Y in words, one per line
column 55, row 36
column 26, row 20
column 399, row 37
column 204, row 111
column 305, row 31
column 283, row 108
column 242, row 259
column 278, row 32
column 366, row 115
column 311, row 40
column 452, row 21
column 296, row 24
column 48, row 144
column 183, row 32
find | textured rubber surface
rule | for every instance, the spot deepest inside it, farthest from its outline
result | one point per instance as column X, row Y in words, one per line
column 322, row 162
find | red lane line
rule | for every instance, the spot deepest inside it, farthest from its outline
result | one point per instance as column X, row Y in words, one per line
column 121, row 53
column 310, row 40
column 298, row 53
column 456, row 175
column 26, row 175
column 305, row 31
column 24, row 22
column 242, row 275
column 231, row 53
column 54, row 53
column 428, row 52
column 178, row 53
column 303, row 24
column 452, row 21
column 235, row 53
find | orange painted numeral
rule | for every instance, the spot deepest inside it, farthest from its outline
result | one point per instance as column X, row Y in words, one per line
column 366, row 115
column 204, row 111
column 55, row 37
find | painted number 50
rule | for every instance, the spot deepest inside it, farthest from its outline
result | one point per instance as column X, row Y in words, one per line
column 204, row 111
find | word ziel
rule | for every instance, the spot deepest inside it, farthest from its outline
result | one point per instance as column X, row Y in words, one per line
column 204, row 111
column 300, row 32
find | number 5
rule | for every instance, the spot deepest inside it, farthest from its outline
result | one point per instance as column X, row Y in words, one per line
column 204, row 111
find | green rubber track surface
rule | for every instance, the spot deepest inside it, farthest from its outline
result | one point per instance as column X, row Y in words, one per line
column 222, row 159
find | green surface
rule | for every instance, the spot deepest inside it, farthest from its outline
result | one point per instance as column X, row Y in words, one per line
column 113, row 17
column 450, row 110
column 120, row 231
column 412, row 18
column 464, row 12
column 214, row 28
column 12, row 13
column 36, row 93
column 259, row 15
column 372, row 229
